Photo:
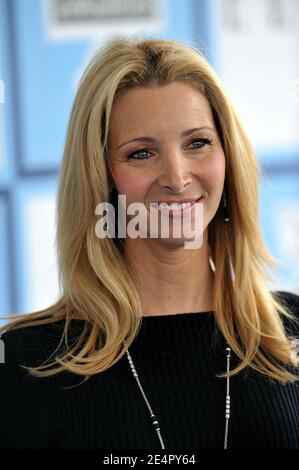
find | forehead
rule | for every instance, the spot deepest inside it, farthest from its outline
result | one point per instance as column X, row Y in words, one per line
column 162, row 108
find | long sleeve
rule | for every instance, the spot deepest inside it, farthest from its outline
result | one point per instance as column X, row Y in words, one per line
column 177, row 358
column 19, row 403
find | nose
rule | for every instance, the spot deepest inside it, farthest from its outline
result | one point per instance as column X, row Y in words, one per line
column 175, row 173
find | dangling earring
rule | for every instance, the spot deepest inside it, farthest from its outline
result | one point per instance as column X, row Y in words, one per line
column 212, row 264
column 232, row 271
column 225, row 209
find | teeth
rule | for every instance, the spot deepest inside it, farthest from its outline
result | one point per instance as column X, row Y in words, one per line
column 173, row 206
column 163, row 205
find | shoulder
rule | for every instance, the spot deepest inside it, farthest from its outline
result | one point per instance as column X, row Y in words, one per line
column 20, row 402
column 289, row 300
column 32, row 345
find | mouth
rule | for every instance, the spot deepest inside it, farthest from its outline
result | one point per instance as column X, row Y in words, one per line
column 175, row 207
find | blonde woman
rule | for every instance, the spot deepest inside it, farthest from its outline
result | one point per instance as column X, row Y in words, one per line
column 153, row 345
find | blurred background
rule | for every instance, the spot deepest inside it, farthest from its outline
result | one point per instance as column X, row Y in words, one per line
column 44, row 48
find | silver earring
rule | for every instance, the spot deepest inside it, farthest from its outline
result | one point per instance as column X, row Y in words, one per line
column 212, row 264
column 225, row 209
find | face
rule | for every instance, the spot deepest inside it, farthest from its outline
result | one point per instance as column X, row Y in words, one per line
column 163, row 146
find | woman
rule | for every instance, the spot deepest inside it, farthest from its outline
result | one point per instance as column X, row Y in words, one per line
column 153, row 345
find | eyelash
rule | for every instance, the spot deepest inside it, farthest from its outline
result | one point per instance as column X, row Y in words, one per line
column 206, row 141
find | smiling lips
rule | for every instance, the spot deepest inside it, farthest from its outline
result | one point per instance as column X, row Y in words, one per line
column 175, row 205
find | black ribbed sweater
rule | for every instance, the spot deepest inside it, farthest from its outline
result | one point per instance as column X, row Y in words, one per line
column 176, row 357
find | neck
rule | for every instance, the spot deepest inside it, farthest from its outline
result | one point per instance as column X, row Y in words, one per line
column 172, row 280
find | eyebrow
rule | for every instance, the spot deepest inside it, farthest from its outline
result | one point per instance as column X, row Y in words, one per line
column 148, row 139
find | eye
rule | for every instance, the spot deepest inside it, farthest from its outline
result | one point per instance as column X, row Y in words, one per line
column 137, row 153
column 202, row 141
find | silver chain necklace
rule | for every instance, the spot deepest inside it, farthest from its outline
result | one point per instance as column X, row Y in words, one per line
column 153, row 416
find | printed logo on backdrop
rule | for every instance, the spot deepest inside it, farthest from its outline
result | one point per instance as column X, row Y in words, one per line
column 103, row 18
column 261, row 35
column 276, row 15
column 99, row 21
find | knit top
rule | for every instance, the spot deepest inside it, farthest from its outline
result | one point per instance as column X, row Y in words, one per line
column 177, row 358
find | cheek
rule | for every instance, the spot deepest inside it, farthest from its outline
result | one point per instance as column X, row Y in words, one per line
column 131, row 183
column 214, row 171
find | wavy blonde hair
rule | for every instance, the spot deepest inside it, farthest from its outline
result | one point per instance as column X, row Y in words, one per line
column 96, row 283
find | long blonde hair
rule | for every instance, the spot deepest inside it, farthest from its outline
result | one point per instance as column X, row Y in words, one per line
column 96, row 283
